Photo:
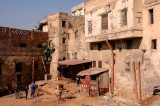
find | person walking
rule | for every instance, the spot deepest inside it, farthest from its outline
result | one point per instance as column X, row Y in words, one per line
column 26, row 91
column 32, row 90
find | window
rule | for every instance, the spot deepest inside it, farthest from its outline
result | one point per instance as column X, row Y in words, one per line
column 0, row 68
column 129, row 44
column 23, row 45
column 63, row 40
column 99, row 46
column 76, row 33
column 94, row 63
column 104, row 22
column 89, row 26
column 151, row 17
column 18, row 67
column 64, row 24
column 154, row 44
column 124, row 17
column 99, row 64
column 39, row 46
column 64, row 58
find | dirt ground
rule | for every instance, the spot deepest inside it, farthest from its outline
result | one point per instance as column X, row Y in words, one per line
column 48, row 97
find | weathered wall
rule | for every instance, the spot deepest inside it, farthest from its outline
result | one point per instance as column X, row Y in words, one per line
column 78, row 10
column 12, row 52
column 117, row 34
column 150, row 32
column 57, row 34
column 77, row 47
column 94, row 10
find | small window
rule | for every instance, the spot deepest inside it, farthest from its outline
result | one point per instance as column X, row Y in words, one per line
column 99, row 46
column 0, row 68
column 124, row 17
column 99, row 64
column 129, row 44
column 64, row 24
column 64, row 58
column 39, row 46
column 151, row 16
column 18, row 67
column 104, row 22
column 76, row 33
column 89, row 26
column 23, row 45
column 154, row 44
column 94, row 64
column 63, row 40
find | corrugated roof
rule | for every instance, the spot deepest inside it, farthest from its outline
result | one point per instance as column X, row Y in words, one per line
column 92, row 71
column 73, row 62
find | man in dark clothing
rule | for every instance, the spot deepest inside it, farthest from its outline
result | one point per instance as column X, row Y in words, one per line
column 26, row 91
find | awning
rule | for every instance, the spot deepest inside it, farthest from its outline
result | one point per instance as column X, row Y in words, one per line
column 73, row 62
column 92, row 71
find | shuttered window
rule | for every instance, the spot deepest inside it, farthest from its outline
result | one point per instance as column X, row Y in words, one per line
column 89, row 26
column 124, row 17
column 104, row 22
column 99, row 64
column 151, row 16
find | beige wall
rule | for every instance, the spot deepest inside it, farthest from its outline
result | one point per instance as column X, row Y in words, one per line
column 94, row 10
column 57, row 33
column 78, row 10
column 150, row 32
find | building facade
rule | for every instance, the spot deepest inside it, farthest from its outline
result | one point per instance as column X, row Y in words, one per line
column 119, row 22
column 17, row 49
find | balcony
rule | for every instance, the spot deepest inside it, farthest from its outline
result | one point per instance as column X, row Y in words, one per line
column 125, row 34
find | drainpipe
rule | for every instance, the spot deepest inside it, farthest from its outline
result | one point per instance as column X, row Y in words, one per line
column 135, row 83
column 112, row 73
column 43, row 63
column 33, row 70
column 139, row 80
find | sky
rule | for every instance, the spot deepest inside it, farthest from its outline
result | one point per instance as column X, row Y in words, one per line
column 25, row 14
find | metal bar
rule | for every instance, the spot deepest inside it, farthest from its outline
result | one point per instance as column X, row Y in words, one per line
column 139, row 80
column 135, row 83
column 43, row 63
column 33, row 70
column 112, row 73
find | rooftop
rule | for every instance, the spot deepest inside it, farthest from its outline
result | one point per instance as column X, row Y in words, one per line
column 92, row 71
column 73, row 62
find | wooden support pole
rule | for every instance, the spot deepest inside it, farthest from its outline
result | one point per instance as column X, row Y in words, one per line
column 135, row 83
column 43, row 63
column 33, row 70
column 112, row 73
column 139, row 80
